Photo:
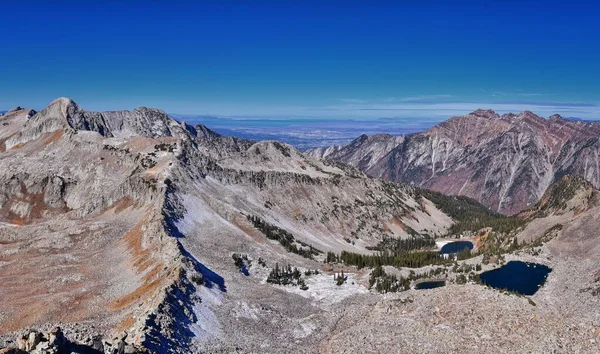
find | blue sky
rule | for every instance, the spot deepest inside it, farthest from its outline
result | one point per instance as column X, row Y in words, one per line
column 336, row 60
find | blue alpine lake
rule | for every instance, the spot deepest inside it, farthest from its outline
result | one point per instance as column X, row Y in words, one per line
column 455, row 247
column 521, row 277
column 432, row 284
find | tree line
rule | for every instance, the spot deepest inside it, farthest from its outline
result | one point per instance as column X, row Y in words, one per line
column 284, row 237
column 408, row 259
column 469, row 214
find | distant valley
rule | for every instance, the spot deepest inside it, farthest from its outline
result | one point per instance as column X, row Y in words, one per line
column 307, row 133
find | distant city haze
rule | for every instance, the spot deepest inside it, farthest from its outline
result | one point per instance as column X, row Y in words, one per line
column 307, row 133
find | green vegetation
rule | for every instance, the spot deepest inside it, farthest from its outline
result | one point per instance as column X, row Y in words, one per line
column 461, row 279
column 414, row 259
column 557, row 196
column 164, row 147
column 197, row 278
column 286, row 276
column 339, row 279
column 242, row 262
column 147, row 162
column 285, row 238
column 464, row 254
column 386, row 283
column 470, row 215
column 533, row 247
column 396, row 245
column 463, row 268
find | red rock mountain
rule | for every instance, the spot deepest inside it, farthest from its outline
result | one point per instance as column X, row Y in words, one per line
column 506, row 162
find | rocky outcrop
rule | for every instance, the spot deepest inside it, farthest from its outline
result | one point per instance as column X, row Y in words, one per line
column 64, row 114
column 323, row 152
column 54, row 341
column 15, row 109
column 569, row 194
column 505, row 162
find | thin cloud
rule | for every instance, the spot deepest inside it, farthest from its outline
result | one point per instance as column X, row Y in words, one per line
column 352, row 100
column 424, row 98
column 549, row 104
column 446, row 108
column 519, row 92
column 530, row 94
column 434, row 110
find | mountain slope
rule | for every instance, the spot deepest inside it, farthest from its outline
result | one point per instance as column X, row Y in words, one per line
column 560, row 233
column 110, row 216
column 136, row 231
column 505, row 162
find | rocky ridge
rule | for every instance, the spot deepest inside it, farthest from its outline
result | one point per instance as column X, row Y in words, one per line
column 504, row 161
column 113, row 192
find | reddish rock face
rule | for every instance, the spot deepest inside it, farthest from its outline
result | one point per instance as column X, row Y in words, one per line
column 505, row 162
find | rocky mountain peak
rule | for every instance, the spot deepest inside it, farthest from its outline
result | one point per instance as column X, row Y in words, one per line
column 268, row 148
column 362, row 138
column 64, row 113
column 323, row 152
column 528, row 115
column 62, row 106
column 150, row 110
column 485, row 113
column 15, row 109
column 63, row 101
column 202, row 131
column 556, row 118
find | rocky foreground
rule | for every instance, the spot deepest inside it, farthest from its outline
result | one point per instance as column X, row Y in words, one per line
column 131, row 232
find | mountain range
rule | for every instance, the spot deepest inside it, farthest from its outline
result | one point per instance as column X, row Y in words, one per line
column 129, row 231
column 506, row 162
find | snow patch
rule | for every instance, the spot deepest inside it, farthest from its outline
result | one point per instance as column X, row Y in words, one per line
column 197, row 212
column 323, row 289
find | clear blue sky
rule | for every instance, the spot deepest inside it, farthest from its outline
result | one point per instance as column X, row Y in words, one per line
column 309, row 58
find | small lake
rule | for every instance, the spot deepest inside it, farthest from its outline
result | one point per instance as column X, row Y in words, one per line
column 455, row 247
column 521, row 277
column 430, row 284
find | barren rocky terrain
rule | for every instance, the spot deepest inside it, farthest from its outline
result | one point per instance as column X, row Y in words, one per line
column 133, row 232
column 506, row 162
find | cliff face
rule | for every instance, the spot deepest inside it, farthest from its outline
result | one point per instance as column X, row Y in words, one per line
column 505, row 162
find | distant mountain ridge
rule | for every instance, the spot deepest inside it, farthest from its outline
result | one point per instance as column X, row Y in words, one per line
column 506, row 162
